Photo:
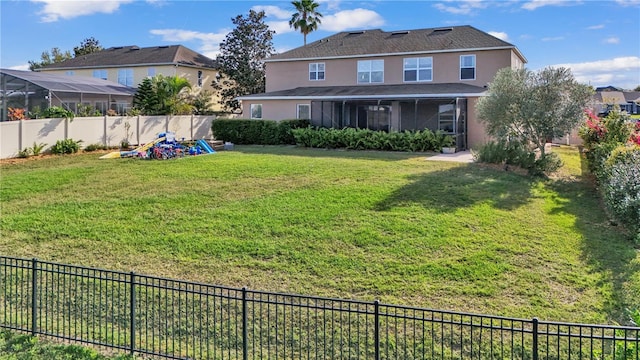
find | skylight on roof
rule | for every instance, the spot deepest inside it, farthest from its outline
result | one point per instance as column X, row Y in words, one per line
column 403, row 32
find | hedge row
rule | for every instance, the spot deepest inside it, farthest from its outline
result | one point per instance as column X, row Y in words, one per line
column 257, row 132
column 365, row 139
column 612, row 149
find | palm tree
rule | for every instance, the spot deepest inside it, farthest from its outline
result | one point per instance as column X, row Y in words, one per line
column 306, row 18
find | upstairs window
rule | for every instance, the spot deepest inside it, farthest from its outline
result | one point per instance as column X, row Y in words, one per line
column 316, row 71
column 100, row 74
column 199, row 78
column 467, row 67
column 125, row 77
column 370, row 71
column 418, row 69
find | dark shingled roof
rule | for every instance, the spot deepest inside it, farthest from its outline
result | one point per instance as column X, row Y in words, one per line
column 64, row 83
column 136, row 56
column 371, row 42
column 398, row 91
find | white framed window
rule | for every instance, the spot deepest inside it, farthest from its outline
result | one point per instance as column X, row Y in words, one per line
column 316, row 71
column 70, row 73
column 100, row 74
column 199, row 78
column 256, row 111
column 467, row 67
column 303, row 111
column 418, row 69
column 125, row 77
column 370, row 71
column 446, row 118
column 151, row 72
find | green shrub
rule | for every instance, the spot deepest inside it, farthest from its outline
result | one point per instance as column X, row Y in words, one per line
column 67, row 146
column 58, row 112
column 95, row 147
column 258, row 132
column 517, row 154
column 621, row 187
column 37, row 149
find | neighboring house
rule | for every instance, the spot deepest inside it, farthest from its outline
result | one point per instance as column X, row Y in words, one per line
column 399, row 80
column 628, row 101
column 129, row 65
column 31, row 91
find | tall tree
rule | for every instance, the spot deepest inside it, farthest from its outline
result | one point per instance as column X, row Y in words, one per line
column 87, row 46
column 46, row 58
column 306, row 18
column 163, row 95
column 532, row 107
column 241, row 60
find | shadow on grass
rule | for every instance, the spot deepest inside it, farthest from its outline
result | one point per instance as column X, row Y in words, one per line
column 293, row 150
column 460, row 187
column 606, row 248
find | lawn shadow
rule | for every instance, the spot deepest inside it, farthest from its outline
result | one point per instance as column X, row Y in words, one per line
column 607, row 248
column 293, row 150
column 462, row 186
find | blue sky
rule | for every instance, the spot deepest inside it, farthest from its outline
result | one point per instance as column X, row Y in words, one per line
column 598, row 40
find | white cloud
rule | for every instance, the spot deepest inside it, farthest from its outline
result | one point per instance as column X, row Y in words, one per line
column 623, row 72
column 351, row 19
column 628, row 2
column 331, row 5
column 500, row 35
column 465, row 7
column 596, row 27
column 54, row 10
column 19, row 67
column 280, row 27
column 612, row 40
column 209, row 42
column 274, row 11
column 553, row 38
column 534, row 4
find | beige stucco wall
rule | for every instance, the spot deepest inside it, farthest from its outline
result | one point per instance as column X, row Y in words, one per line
column 476, row 131
column 274, row 109
column 343, row 72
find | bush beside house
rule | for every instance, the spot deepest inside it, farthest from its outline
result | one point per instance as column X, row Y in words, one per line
column 612, row 149
column 256, row 132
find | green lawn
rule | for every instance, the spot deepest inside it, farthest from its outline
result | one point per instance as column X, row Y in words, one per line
column 362, row 225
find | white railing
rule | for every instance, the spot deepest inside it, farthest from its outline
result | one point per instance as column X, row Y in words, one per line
column 107, row 130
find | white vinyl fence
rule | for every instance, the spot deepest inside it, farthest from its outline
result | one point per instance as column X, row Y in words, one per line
column 107, row 130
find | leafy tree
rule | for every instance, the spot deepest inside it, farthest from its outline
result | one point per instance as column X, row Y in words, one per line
column 241, row 60
column 202, row 102
column 145, row 98
column 87, row 46
column 163, row 95
column 637, row 88
column 46, row 58
column 533, row 107
column 306, row 18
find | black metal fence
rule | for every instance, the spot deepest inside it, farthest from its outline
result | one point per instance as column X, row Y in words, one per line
column 185, row 320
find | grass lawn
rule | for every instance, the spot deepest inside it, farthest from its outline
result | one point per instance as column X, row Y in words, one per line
column 362, row 225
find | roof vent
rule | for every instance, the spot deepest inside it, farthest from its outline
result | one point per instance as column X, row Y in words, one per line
column 117, row 47
column 356, row 32
column 441, row 31
column 135, row 48
column 404, row 32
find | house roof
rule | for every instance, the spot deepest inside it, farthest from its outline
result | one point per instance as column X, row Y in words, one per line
column 378, row 42
column 364, row 92
column 136, row 56
column 611, row 97
column 64, row 83
column 632, row 96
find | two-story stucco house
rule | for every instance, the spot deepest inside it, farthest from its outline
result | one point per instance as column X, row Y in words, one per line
column 399, row 80
column 129, row 65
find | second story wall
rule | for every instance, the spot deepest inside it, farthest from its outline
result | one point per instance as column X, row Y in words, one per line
column 480, row 68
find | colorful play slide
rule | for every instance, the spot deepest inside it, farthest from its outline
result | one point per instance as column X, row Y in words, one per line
column 143, row 148
column 205, row 146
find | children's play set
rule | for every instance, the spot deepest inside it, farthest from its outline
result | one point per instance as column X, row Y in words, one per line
column 164, row 146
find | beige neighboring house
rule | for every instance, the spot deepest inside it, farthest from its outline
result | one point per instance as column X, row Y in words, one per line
column 396, row 80
column 129, row 65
